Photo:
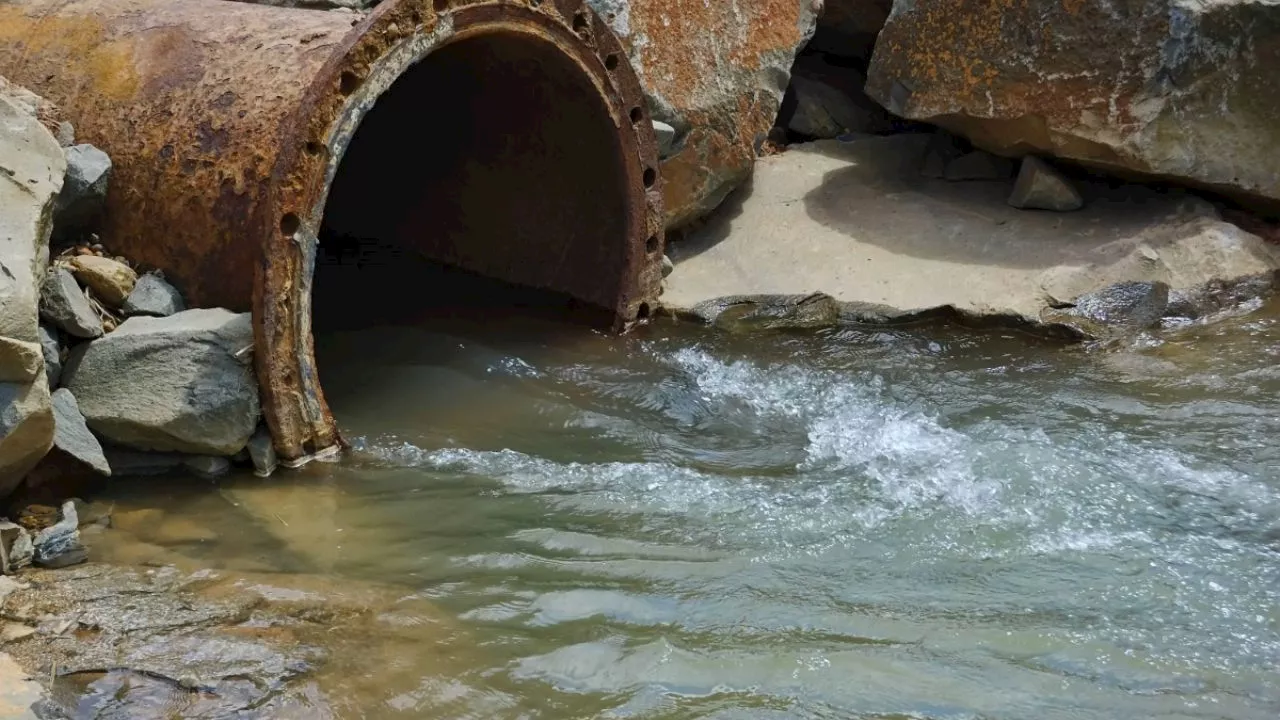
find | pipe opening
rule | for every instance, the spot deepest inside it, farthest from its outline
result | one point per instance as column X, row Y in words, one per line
column 487, row 178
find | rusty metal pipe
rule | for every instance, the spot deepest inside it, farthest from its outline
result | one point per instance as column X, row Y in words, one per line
column 228, row 124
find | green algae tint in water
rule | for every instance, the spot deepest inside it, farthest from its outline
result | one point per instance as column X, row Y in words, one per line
column 853, row 523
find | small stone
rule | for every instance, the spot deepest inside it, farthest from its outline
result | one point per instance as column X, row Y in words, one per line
column 262, row 451
column 84, row 190
column 15, row 547
column 82, row 250
column 208, row 466
column 979, row 165
column 52, row 352
column 1040, row 187
column 59, row 545
column 63, row 305
column 668, row 267
column 666, row 138
column 153, row 296
column 110, row 280
column 71, row 435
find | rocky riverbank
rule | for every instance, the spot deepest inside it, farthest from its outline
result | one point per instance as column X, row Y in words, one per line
column 104, row 371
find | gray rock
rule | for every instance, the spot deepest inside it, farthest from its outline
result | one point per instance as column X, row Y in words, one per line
column 181, row 383
column 1133, row 304
column 52, row 352
column 668, row 267
column 59, row 544
column 666, row 138
column 153, row 296
column 71, row 434
column 31, row 170
column 979, row 165
column 208, row 466
column 26, row 430
column 1040, row 187
column 16, row 550
column 262, row 450
column 84, row 190
column 826, row 101
column 63, row 304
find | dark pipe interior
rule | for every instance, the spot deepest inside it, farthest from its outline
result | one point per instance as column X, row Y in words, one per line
column 487, row 177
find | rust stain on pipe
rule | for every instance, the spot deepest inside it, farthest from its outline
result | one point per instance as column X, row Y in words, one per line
column 228, row 123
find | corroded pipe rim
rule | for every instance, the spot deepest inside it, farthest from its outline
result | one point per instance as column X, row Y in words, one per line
column 313, row 140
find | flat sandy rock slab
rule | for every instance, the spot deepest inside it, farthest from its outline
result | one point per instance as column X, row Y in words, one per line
column 857, row 221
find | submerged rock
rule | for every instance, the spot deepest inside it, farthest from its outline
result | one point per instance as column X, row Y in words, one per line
column 1133, row 304
column 182, row 383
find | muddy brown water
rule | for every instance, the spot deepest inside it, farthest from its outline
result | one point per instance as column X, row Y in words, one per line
column 916, row 523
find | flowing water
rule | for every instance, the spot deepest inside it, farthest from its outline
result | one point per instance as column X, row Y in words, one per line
column 851, row 523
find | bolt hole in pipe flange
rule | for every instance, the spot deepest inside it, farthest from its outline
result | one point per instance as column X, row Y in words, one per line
column 289, row 224
column 611, row 62
column 581, row 26
column 650, row 177
column 637, row 114
column 348, row 82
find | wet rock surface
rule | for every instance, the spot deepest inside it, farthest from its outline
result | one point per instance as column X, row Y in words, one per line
column 163, row 642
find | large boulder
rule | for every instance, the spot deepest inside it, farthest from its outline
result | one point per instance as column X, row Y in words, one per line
column 716, row 72
column 181, row 383
column 1167, row 88
column 31, row 170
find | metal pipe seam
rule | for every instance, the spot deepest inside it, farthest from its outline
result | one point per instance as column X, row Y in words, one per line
column 228, row 123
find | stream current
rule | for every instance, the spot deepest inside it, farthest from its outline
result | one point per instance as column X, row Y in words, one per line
column 678, row 523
